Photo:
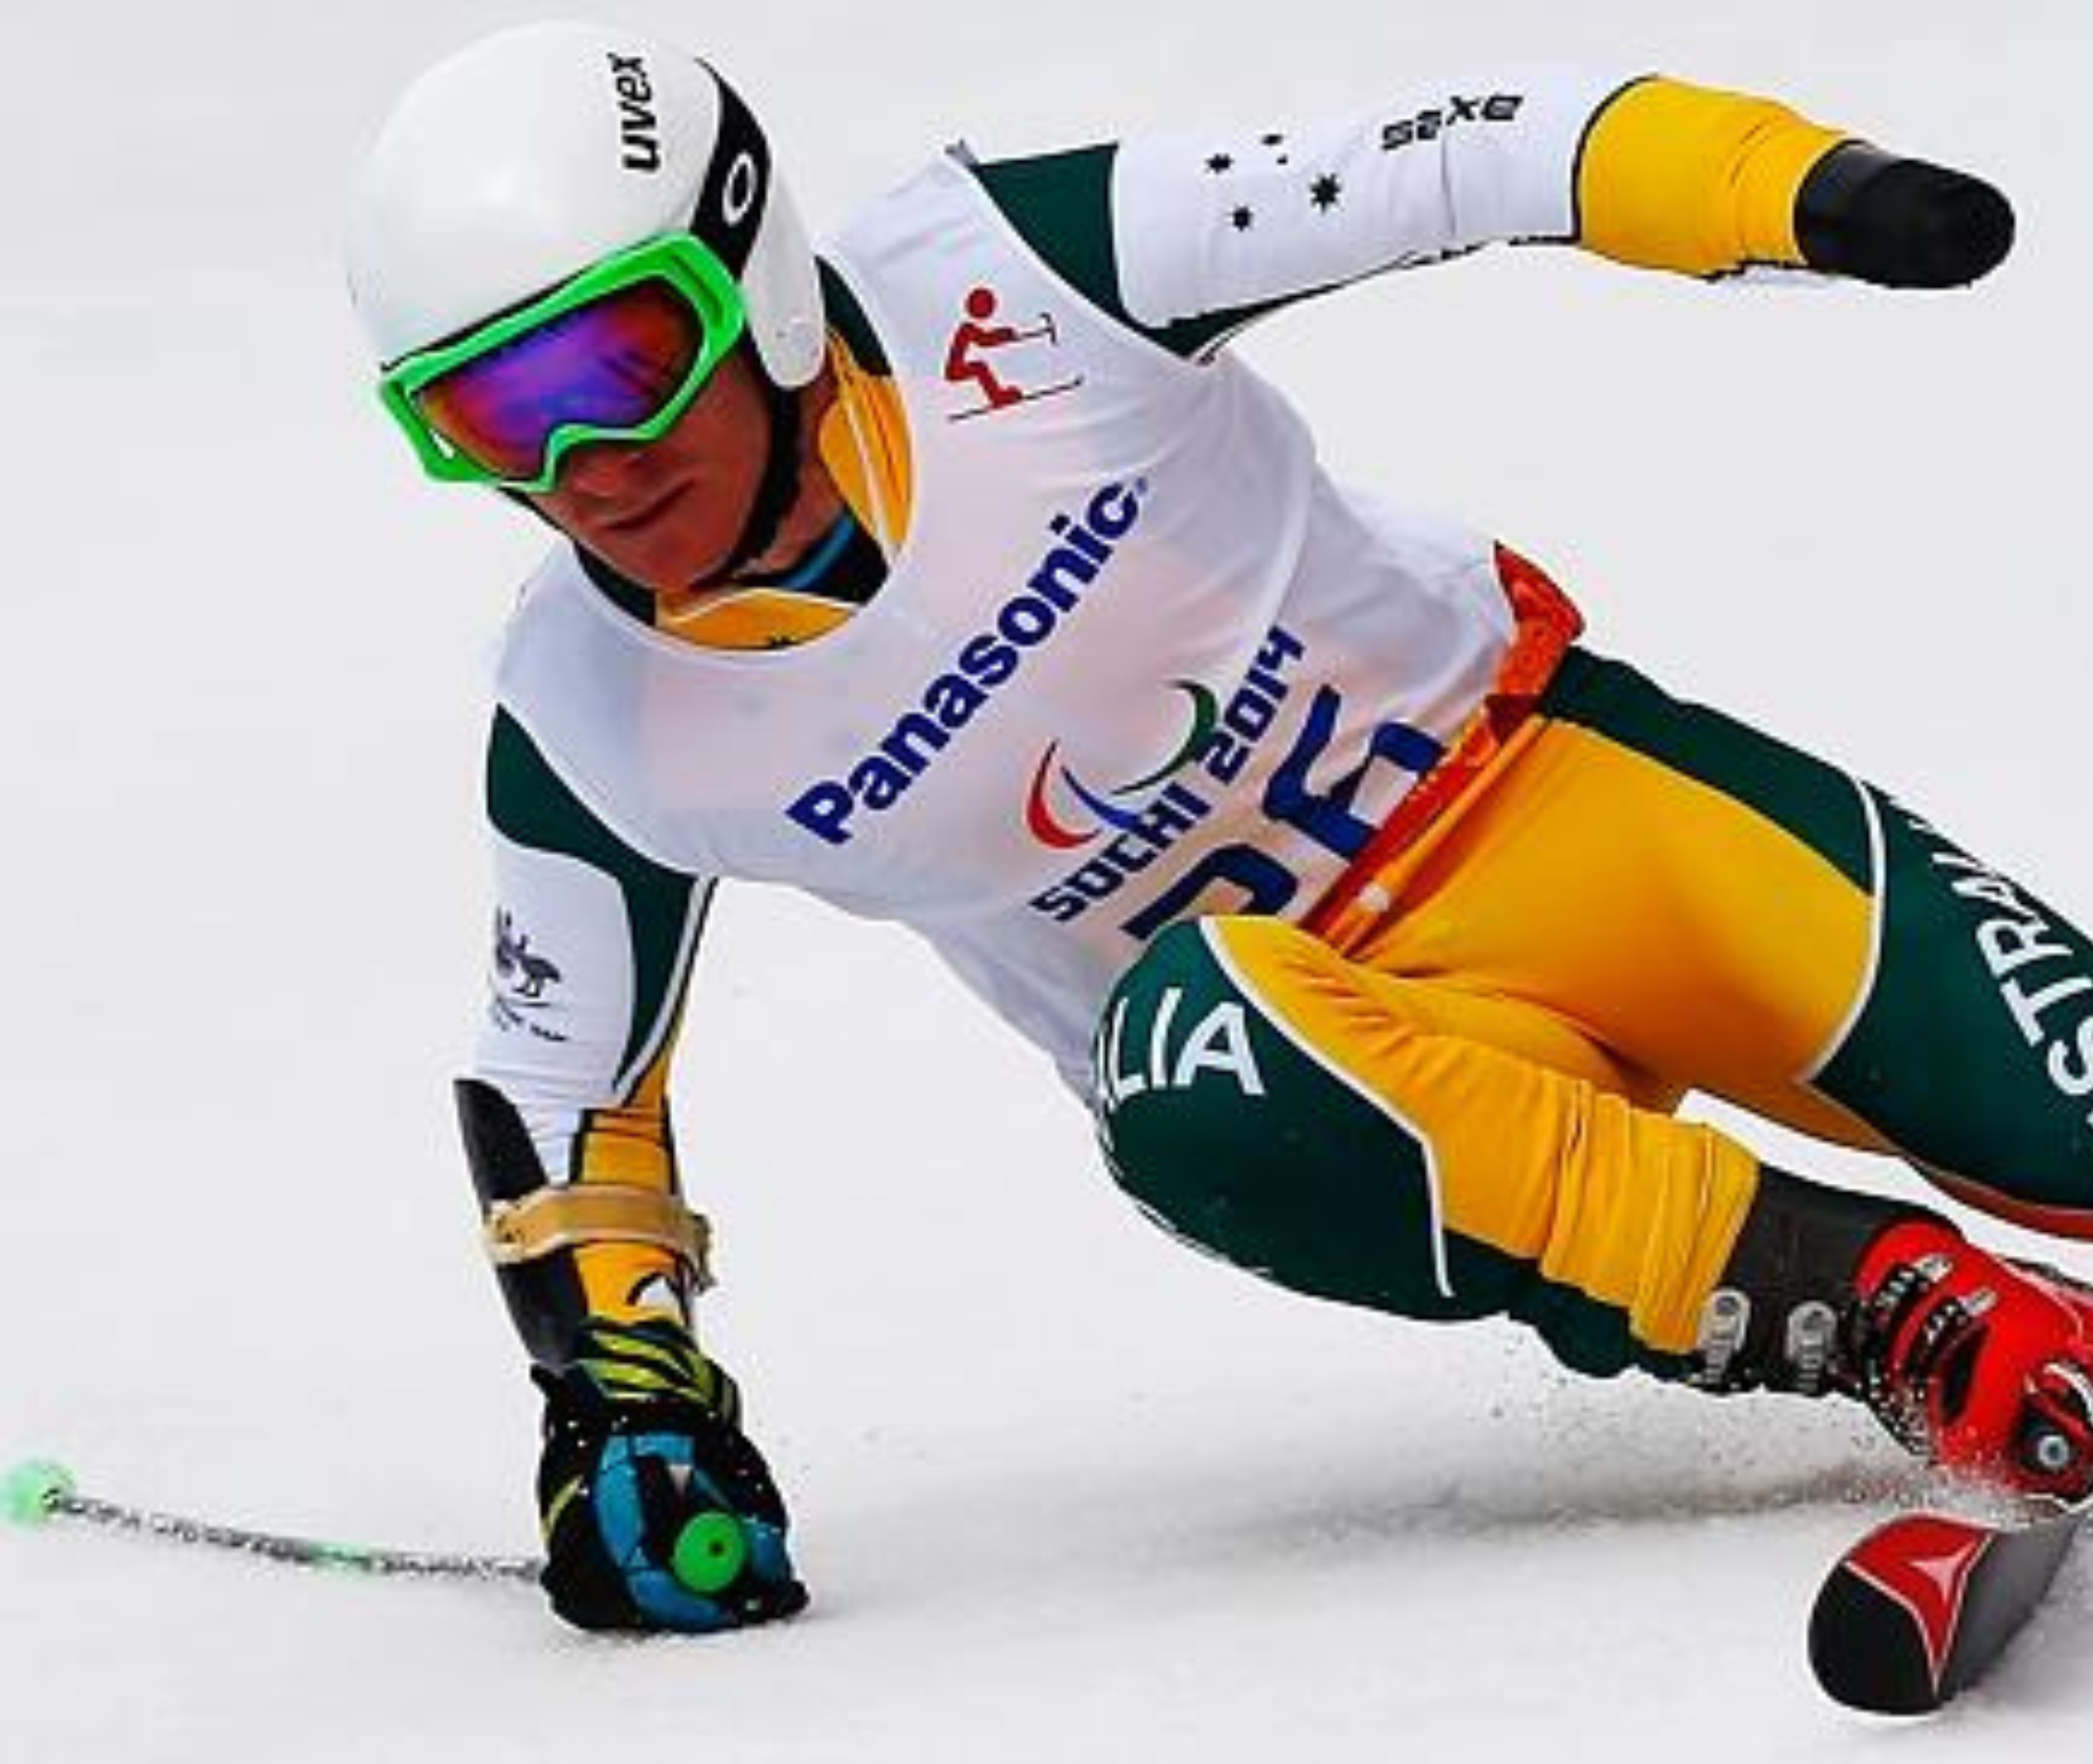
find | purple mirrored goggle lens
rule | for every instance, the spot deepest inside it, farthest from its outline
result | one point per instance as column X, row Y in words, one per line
column 613, row 363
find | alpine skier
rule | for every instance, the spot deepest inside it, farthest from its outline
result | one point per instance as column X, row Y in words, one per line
column 959, row 575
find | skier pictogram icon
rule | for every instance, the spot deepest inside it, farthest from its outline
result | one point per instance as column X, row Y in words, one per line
column 979, row 333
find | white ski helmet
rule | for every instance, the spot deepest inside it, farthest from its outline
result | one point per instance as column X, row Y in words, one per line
column 534, row 153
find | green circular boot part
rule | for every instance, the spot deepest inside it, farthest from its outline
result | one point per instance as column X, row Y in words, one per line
column 710, row 1552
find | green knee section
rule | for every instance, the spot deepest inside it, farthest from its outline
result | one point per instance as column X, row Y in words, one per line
column 1224, row 1130
column 1974, row 1050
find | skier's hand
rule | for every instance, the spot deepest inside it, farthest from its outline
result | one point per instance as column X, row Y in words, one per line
column 1898, row 222
column 657, row 1511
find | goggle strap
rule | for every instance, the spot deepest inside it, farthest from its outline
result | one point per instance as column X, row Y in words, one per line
column 736, row 194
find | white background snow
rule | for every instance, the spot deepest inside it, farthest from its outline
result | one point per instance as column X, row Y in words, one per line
column 1063, row 1489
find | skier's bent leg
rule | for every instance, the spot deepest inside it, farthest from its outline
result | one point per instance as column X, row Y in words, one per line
column 1358, row 1138
column 1972, row 1047
column 1411, row 1149
column 1757, row 922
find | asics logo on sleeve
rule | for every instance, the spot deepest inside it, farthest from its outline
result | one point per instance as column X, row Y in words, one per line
column 1430, row 124
column 988, row 661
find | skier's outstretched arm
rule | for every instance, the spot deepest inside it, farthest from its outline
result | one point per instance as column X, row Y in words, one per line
column 1674, row 176
column 657, row 1511
column 1190, row 234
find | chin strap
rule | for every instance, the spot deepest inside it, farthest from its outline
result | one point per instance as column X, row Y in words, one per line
column 780, row 483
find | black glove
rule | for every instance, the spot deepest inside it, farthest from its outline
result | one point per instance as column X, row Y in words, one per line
column 657, row 1511
column 1899, row 223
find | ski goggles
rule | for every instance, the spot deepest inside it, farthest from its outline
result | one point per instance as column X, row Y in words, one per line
column 617, row 353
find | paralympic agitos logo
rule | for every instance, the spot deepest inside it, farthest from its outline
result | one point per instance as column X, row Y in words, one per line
column 1048, row 825
column 982, row 666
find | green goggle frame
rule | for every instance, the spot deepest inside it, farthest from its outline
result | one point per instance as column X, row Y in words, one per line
column 682, row 261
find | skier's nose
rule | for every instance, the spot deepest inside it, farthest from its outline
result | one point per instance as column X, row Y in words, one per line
column 603, row 471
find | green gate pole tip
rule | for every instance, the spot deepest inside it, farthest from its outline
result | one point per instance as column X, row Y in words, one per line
column 30, row 1493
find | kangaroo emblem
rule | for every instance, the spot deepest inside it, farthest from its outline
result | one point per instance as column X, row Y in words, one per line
column 513, row 958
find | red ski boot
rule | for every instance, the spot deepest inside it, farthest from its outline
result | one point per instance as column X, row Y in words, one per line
column 1982, row 1365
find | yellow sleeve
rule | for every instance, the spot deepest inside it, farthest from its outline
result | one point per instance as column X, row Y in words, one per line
column 1685, row 177
column 630, row 1146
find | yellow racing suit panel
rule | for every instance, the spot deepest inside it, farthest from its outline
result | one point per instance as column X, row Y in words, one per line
column 1683, row 177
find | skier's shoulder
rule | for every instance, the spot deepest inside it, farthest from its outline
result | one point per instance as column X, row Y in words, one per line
column 1056, row 204
column 565, row 574
column 529, row 798
column 533, row 805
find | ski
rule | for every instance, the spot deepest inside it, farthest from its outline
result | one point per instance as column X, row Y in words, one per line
column 36, row 1493
column 1921, row 1608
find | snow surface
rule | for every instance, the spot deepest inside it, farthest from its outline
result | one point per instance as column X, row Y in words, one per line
column 1064, row 1490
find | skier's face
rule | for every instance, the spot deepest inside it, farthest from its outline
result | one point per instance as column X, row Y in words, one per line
column 669, row 512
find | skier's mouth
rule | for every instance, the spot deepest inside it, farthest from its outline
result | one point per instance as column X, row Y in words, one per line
column 644, row 513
